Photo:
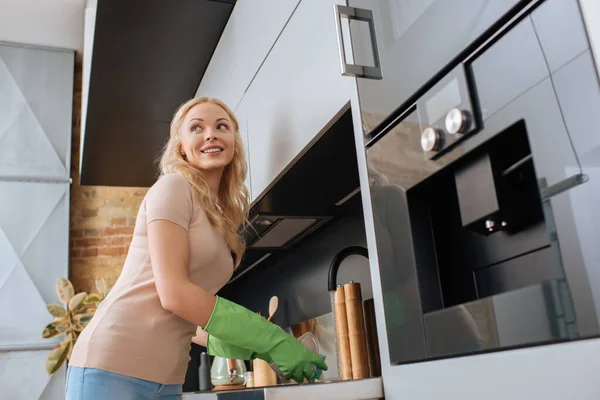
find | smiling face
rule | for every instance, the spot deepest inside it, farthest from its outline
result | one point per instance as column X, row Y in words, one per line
column 208, row 138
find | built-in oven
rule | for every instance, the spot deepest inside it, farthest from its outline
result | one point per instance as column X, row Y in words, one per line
column 483, row 158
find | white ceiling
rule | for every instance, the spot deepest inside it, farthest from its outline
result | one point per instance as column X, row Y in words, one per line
column 56, row 23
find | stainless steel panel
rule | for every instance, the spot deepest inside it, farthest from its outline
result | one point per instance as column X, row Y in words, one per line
column 415, row 40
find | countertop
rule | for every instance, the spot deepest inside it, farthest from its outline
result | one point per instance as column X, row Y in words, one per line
column 362, row 389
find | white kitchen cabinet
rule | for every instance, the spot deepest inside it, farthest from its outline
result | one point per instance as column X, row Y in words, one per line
column 252, row 29
column 241, row 115
column 297, row 91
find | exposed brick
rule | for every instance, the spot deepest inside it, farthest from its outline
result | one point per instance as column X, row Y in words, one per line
column 120, row 221
column 85, row 204
column 114, row 211
column 89, row 213
column 140, row 192
column 113, row 251
column 90, row 242
column 117, row 231
column 90, row 252
column 119, row 241
column 89, row 194
column 91, row 232
column 76, row 233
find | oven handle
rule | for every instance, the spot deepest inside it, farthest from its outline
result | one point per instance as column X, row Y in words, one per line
column 359, row 14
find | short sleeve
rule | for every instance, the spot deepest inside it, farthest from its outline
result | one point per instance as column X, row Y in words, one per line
column 170, row 198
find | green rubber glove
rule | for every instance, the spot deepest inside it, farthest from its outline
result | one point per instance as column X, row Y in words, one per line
column 217, row 347
column 234, row 324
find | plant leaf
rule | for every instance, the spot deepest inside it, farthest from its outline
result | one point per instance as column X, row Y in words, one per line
column 101, row 286
column 56, row 310
column 57, row 356
column 50, row 331
column 71, row 339
column 77, row 300
column 64, row 290
column 92, row 298
column 61, row 324
column 81, row 320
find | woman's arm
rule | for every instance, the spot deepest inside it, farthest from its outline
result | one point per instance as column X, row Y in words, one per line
column 169, row 253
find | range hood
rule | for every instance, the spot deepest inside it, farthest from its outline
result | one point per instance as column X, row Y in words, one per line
column 319, row 185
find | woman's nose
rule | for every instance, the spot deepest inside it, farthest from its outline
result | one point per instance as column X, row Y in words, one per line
column 208, row 134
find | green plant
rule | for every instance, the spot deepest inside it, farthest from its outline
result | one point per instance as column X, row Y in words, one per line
column 70, row 319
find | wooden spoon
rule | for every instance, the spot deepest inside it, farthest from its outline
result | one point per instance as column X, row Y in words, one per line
column 273, row 304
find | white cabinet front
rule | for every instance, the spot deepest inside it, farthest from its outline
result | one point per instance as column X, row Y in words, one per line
column 248, row 36
column 298, row 90
column 240, row 113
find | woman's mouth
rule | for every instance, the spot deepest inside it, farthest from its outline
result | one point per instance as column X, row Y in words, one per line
column 211, row 149
column 214, row 150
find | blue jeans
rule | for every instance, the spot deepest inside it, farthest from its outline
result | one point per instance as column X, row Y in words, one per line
column 96, row 384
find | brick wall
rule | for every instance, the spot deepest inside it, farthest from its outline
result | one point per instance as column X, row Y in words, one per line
column 102, row 218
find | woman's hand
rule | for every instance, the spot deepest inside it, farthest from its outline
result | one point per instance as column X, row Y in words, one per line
column 201, row 337
column 296, row 361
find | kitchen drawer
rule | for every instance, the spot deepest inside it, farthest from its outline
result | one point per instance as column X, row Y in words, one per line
column 297, row 91
column 253, row 27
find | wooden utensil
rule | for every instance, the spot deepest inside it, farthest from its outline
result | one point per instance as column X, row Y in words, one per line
column 273, row 304
column 341, row 327
column 372, row 341
column 356, row 331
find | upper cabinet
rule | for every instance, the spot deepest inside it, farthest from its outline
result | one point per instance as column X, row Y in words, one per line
column 298, row 90
column 253, row 27
column 240, row 113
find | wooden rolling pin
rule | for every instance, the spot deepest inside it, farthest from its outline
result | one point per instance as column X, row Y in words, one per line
column 356, row 331
column 341, row 327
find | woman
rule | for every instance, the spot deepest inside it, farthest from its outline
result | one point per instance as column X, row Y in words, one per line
column 137, row 344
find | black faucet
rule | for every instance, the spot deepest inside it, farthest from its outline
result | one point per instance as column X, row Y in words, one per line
column 337, row 260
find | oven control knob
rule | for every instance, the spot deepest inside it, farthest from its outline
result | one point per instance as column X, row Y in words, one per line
column 457, row 121
column 431, row 139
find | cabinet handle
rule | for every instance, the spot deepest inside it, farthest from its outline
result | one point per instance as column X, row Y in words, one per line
column 359, row 14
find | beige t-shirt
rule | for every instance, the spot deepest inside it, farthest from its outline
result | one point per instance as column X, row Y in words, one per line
column 131, row 334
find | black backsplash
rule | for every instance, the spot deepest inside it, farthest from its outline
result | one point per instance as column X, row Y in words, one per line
column 299, row 277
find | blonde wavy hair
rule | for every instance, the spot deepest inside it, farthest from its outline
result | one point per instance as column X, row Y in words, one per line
column 230, row 211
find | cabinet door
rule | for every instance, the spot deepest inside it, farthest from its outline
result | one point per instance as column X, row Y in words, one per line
column 252, row 29
column 241, row 115
column 297, row 91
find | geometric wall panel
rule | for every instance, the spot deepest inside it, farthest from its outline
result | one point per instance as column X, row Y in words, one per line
column 23, row 376
column 36, row 88
column 33, row 254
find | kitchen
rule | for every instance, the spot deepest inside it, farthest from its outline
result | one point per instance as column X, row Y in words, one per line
column 409, row 157
column 435, row 158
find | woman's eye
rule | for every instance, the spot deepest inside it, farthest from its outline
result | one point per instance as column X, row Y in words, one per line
column 222, row 126
column 196, row 128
